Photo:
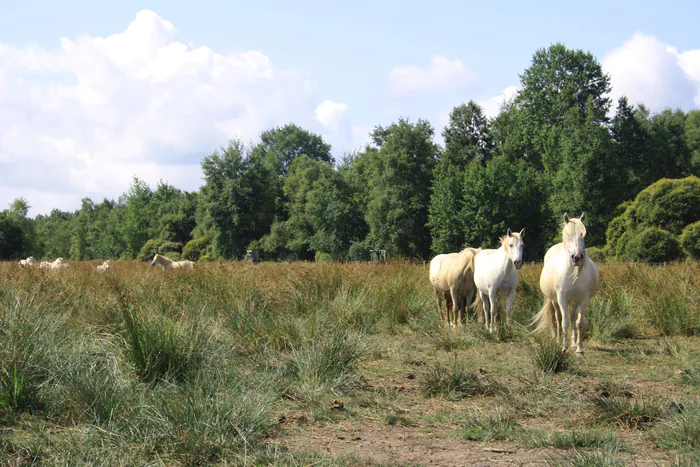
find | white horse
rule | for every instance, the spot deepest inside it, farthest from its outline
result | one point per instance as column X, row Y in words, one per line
column 26, row 262
column 568, row 275
column 452, row 275
column 57, row 264
column 496, row 272
column 103, row 267
column 167, row 263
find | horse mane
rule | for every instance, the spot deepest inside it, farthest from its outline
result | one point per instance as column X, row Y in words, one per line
column 569, row 229
column 504, row 243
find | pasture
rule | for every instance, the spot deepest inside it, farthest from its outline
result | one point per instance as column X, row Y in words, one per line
column 338, row 364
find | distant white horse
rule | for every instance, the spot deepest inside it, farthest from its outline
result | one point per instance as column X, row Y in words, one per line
column 452, row 275
column 26, row 262
column 495, row 272
column 103, row 267
column 57, row 264
column 167, row 263
column 568, row 275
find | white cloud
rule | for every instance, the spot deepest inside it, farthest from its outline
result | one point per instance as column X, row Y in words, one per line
column 492, row 105
column 648, row 71
column 442, row 75
column 83, row 119
column 330, row 113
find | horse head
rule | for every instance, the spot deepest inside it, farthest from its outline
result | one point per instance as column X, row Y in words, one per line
column 155, row 260
column 573, row 235
column 514, row 245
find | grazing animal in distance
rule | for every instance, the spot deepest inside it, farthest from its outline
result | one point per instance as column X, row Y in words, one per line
column 104, row 267
column 452, row 275
column 496, row 272
column 58, row 263
column 26, row 262
column 568, row 275
column 167, row 263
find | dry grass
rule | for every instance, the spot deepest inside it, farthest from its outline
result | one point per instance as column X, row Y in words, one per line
column 140, row 365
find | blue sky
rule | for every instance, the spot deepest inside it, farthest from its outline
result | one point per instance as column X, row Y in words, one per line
column 93, row 115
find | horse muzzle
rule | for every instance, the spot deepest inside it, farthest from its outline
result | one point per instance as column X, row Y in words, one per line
column 576, row 259
column 518, row 264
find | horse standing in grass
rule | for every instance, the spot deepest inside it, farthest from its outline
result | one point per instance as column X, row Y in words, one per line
column 26, row 262
column 55, row 265
column 452, row 275
column 496, row 272
column 568, row 275
column 167, row 263
column 104, row 267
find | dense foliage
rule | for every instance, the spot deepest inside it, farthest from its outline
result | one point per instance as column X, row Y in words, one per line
column 558, row 146
column 660, row 224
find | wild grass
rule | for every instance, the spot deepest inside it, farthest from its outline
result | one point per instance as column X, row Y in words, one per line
column 141, row 366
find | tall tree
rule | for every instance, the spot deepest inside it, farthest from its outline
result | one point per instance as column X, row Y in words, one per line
column 400, row 180
column 467, row 135
column 236, row 198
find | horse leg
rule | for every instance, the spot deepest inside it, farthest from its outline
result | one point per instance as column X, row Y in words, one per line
column 487, row 308
column 449, row 304
column 580, row 321
column 467, row 305
column 564, row 305
column 493, row 298
column 556, row 331
column 509, row 305
column 438, row 296
column 456, row 307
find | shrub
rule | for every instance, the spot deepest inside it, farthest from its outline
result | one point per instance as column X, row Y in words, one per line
column 654, row 245
column 690, row 240
column 668, row 204
column 358, row 252
column 169, row 247
column 596, row 254
column 322, row 257
column 195, row 248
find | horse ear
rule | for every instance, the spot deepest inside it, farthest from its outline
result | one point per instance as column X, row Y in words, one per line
column 510, row 234
column 522, row 232
column 566, row 218
column 583, row 214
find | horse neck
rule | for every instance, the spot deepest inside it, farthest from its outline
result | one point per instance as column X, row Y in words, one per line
column 507, row 264
column 164, row 260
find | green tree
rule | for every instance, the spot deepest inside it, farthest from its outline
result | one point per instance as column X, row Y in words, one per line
column 400, row 180
column 504, row 194
column 589, row 178
column 11, row 237
column 137, row 217
column 236, row 199
column 692, row 140
column 467, row 136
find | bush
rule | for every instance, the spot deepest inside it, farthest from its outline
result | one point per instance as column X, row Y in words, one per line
column 653, row 245
column 169, row 247
column 148, row 250
column 195, row 248
column 659, row 212
column 322, row 257
column 596, row 254
column 690, row 240
column 358, row 252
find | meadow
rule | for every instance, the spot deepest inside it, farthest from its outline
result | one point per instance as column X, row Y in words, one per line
column 338, row 364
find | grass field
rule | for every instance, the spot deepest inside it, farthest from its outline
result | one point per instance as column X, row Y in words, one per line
column 337, row 364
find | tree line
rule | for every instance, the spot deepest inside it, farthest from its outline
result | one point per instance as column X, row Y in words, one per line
column 559, row 145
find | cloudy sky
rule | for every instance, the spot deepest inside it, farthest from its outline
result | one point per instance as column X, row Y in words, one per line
column 92, row 94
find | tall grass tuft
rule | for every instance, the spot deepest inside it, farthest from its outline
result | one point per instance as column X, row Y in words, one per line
column 455, row 381
column 548, row 357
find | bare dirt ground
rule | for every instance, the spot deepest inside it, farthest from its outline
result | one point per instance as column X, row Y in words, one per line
column 389, row 421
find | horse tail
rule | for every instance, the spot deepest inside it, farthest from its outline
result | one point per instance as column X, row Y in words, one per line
column 478, row 308
column 545, row 318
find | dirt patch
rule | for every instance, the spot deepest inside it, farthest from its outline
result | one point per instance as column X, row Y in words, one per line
column 379, row 443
